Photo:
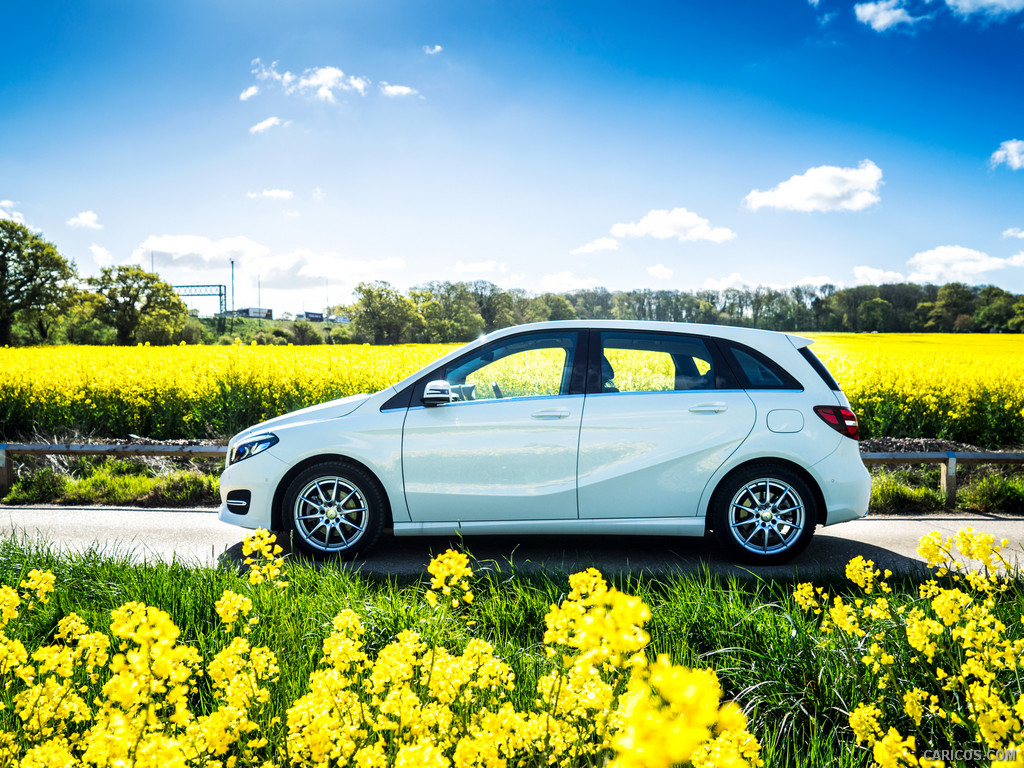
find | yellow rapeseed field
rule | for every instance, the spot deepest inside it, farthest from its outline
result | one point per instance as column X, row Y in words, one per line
column 967, row 387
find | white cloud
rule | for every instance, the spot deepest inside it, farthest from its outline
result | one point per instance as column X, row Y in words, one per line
column 101, row 255
column 1014, row 232
column 308, row 269
column 432, row 50
column 565, row 281
column 679, row 223
column 735, row 280
column 248, row 93
column 660, row 272
column 262, row 277
column 601, row 244
column 197, row 252
column 954, row 263
column 1009, row 152
column 86, row 219
column 884, row 15
column 322, row 82
column 7, row 212
column 267, row 124
column 480, row 267
column 319, row 82
column 814, row 280
column 393, row 91
column 824, row 188
column 874, row 276
column 275, row 194
column 986, row 7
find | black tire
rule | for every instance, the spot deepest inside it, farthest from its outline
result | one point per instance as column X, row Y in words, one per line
column 764, row 514
column 334, row 508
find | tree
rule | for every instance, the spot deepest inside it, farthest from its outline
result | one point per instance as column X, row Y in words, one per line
column 449, row 312
column 995, row 309
column 875, row 315
column 33, row 275
column 306, row 334
column 953, row 300
column 382, row 315
column 134, row 299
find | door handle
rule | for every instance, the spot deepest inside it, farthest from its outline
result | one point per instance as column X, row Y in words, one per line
column 551, row 413
column 709, row 408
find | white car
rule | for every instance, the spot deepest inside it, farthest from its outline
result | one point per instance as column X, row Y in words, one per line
column 573, row 427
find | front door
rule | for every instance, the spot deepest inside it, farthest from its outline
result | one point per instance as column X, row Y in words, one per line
column 506, row 450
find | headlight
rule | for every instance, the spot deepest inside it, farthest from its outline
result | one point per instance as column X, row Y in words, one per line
column 251, row 446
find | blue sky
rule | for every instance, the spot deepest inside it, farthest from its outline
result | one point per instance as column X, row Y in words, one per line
column 539, row 145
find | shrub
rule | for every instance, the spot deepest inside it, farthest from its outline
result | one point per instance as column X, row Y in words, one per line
column 40, row 487
column 995, row 493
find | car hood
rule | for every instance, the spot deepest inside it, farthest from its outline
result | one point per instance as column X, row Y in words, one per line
column 329, row 410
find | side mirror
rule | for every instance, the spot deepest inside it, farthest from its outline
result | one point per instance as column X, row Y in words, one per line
column 438, row 393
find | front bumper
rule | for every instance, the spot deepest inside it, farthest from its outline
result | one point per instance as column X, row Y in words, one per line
column 258, row 478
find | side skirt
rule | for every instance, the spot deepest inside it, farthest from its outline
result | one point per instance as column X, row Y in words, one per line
column 640, row 526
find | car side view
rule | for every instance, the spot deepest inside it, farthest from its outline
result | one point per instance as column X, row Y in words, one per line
column 573, row 427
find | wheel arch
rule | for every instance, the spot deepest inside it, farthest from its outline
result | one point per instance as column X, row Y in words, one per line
column 807, row 477
column 276, row 511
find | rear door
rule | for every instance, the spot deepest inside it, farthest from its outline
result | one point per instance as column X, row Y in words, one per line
column 662, row 414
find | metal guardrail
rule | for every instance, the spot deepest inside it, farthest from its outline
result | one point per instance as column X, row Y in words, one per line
column 949, row 460
column 947, row 479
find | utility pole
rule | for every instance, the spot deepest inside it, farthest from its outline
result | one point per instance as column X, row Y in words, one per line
column 232, row 296
column 259, row 299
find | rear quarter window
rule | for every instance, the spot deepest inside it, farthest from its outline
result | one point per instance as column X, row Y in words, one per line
column 756, row 371
column 819, row 368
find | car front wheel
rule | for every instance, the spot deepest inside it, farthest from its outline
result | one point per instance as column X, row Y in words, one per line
column 764, row 514
column 334, row 508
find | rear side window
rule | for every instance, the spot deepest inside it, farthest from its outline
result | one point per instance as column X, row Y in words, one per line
column 819, row 368
column 654, row 362
column 757, row 371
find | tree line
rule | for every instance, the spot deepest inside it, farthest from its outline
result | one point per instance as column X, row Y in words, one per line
column 449, row 312
column 43, row 300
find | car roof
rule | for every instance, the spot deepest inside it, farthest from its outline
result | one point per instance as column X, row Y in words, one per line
column 732, row 332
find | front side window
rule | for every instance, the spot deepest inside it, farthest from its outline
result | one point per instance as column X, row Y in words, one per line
column 654, row 362
column 534, row 365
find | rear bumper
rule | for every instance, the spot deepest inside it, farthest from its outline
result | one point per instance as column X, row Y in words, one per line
column 844, row 482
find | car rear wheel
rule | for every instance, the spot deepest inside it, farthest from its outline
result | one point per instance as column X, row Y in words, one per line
column 764, row 514
column 334, row 508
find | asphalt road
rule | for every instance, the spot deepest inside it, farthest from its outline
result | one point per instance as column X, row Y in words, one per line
column 197, row 536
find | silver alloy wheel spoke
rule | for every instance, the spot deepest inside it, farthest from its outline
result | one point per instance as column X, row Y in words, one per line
column 349, row 523
column 328, row 526
column 762, row 504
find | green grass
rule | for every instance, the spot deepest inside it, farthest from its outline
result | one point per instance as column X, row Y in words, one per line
column 796, row 692
column 116, row 483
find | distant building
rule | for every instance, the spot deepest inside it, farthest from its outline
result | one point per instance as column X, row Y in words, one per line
column 265, row 314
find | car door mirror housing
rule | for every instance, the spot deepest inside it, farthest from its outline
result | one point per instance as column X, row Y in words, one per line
column 437, row 393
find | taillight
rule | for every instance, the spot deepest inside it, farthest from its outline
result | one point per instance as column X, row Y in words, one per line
column 842, row 420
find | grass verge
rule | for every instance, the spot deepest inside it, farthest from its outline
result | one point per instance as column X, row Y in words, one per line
column 132, row 482
column 796, row 681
